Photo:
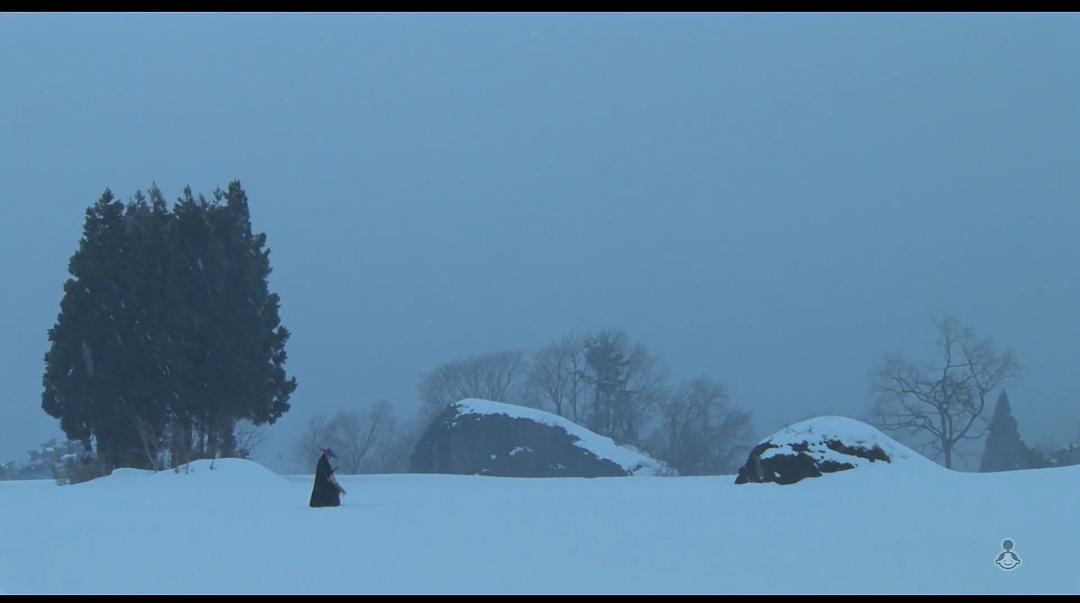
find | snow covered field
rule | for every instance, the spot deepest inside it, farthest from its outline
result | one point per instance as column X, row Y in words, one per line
column 902, row 528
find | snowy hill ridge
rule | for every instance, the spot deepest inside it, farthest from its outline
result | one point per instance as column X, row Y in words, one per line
column 630, row 459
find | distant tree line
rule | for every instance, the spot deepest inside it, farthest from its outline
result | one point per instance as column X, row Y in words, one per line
column 612, row 385
column 602, row 380
column 168, row 334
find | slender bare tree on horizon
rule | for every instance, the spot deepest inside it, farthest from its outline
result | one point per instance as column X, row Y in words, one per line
column 943, row 400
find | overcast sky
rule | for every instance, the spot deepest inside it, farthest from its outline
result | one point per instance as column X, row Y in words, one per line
column 775, row 201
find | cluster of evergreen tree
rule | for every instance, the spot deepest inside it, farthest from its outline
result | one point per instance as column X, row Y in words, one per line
column 167, row 333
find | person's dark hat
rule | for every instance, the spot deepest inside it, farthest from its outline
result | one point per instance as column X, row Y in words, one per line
column 329, row 453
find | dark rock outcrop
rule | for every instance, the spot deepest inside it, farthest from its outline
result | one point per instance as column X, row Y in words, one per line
column 478, row 437
column 816, row 447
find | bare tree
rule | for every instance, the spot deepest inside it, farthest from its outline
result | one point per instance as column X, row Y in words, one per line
column 943, row 401
column 320, row 433
column 360, row 437
column 496, row 377
column 148, row 433
column 557, row 380
column 646, row 386
column 700, row 433
column 248, row 438
column 183, row 443
column 359, row 433
column 393, row 452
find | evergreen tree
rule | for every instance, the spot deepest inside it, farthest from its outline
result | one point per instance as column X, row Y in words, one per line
column 1004, row 451
column 190, row 315
column 168, row 333
column 607, row 363
column 626, row 382
column 85, row 363
column 145, row 326
column 250, row 380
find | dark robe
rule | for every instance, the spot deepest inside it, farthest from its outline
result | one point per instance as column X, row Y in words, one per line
column 325, row 493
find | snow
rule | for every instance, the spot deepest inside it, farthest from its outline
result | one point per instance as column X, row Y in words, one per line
column 815, row 432
column 238, row 528
column 603, row 447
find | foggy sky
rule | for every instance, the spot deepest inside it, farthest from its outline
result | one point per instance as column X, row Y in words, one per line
column 775, row 201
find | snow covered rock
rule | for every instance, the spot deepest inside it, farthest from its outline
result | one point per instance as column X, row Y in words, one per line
column 480, row 437
column 818, row 446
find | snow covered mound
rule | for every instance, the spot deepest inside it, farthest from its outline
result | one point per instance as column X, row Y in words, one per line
column 818, row 446
column 226, row 472
column 480, row 437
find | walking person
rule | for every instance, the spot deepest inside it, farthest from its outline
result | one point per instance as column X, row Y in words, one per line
column 326, row 491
